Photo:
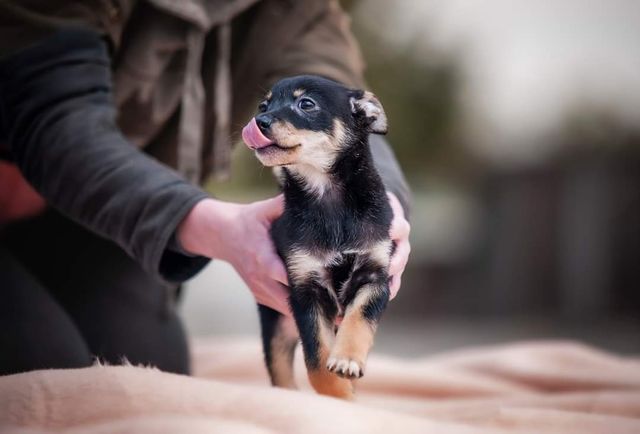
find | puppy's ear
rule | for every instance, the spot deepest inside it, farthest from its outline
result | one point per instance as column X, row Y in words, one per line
column 365, row 103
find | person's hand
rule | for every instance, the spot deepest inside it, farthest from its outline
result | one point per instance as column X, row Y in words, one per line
column 239, row 234
column 399, row 233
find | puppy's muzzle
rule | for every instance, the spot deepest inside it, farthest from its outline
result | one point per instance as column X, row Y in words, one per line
column 264, row 123
column 253, row 136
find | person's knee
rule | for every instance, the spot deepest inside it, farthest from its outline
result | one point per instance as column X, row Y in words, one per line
column 39, row 335
column 142, row 331
column 28, row 350
column 146, row 342
column 35, row 332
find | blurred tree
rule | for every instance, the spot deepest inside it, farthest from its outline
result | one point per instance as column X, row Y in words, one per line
column 420, row 96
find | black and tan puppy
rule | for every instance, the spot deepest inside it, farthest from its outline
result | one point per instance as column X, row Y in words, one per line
column 334, row 233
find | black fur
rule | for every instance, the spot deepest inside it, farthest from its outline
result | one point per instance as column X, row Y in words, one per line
column 268, row 322
column 310, row 302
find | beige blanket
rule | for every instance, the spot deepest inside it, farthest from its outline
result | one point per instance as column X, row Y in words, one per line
column 539, row 387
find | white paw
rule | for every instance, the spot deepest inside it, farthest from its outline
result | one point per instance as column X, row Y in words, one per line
column 345, row 367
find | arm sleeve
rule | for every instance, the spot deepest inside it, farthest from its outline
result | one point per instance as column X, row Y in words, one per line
column 57, row 114
column 327, row 48
column 390, row 172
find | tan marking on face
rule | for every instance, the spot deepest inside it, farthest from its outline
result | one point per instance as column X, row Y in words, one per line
column 320, row 149
column 272, row 156
column 340, row 134
column 308, row 154
column 288, row 136
column 288, row 139
column 315, row 152
column 268, row 96
column 298, row 92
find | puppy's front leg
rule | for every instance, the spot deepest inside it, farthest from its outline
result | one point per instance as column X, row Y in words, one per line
column 356, row 332
column 315, row 313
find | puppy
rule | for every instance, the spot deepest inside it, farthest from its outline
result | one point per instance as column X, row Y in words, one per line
column 334, row 233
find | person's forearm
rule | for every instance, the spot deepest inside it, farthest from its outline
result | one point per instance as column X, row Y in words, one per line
column 59, row 120
column 390, row 171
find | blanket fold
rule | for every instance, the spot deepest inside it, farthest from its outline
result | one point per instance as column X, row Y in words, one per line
column 533, row 387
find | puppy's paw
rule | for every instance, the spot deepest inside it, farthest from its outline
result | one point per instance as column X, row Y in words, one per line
column 345, row 367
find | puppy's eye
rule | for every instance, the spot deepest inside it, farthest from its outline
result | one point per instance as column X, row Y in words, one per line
column 262, row 107
column 306, row 104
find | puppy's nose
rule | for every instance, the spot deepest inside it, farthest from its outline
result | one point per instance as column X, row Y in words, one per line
column 264, row 122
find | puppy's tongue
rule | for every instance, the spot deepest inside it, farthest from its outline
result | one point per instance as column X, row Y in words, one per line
column 253, row 137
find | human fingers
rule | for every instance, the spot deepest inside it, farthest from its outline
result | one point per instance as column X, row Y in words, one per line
column 394, row 287
column 400, row 258
column 274, row 295
column 275, row 269
column 271, row 208
column 400, row 228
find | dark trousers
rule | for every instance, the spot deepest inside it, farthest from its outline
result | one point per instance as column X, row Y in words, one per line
column 68, row 297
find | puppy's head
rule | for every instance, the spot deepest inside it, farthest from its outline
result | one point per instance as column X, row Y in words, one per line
column 309, row 120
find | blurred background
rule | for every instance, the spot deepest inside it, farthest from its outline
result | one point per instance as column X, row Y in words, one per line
column 518, row 126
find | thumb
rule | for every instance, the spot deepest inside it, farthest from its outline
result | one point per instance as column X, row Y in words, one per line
column 272, row 208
